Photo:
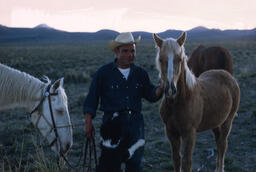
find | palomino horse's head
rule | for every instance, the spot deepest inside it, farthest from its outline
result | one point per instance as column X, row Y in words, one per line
column 51, row 117
column 169, row 59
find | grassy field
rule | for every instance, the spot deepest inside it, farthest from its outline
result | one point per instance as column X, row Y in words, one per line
column 22, row 149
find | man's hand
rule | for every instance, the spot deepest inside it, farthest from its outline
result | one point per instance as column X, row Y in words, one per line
column 89, row 128
column 160, row 90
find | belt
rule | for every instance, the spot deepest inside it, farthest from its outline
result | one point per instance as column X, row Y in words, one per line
column 123, row 112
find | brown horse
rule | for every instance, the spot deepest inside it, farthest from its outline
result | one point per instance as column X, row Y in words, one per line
column 193, row 104
column 203, row 59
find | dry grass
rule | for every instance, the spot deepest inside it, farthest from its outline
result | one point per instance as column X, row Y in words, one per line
column 77, row 63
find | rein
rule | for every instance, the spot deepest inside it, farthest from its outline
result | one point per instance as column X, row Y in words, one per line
column 92, row 149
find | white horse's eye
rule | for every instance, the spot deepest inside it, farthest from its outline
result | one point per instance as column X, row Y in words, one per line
column 59, row 111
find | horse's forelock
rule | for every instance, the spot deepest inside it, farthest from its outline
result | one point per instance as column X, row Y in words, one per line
column 46, row 79
column 172, row 46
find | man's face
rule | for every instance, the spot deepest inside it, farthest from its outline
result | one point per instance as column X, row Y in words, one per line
column 125, row 55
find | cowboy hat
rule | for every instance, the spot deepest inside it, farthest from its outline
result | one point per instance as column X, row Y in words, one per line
column 123, row 39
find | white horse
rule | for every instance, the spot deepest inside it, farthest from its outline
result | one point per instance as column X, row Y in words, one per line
column 46, row 102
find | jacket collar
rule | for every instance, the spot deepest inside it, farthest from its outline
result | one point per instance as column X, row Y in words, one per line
column 114, row 65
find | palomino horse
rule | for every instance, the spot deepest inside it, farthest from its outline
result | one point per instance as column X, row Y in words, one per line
column 203, row 59
column 193, row 104
column 46, row 102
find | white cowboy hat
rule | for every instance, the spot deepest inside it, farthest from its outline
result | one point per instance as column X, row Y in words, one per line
column 123, row 39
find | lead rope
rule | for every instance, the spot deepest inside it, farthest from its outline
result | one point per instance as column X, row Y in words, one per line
column 80, row 157
column 92, row 149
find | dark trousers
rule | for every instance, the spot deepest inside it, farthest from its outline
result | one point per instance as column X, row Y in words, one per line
column 132, row 129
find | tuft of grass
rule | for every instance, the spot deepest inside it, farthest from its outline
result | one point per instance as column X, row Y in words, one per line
column 44, row 164
column 13, row 167
column 167, row 165
column 230, row 165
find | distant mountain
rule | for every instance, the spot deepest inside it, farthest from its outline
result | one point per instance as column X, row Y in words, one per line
column 43, row 26
column 199, row 29
column 45, row 33
column 2, row 26
column 202, row 33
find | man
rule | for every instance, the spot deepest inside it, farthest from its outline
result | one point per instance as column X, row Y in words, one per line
column 120, row 86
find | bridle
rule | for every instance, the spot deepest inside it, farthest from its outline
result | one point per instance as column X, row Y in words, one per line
column 92, row 147
column 53, row 126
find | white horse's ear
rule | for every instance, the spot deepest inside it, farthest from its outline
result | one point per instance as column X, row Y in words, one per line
column 182, row 38
column 58, row 83
column 61, row 81
column 158, row 40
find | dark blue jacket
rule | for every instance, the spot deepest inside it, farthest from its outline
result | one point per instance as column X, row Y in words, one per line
column 115, row 93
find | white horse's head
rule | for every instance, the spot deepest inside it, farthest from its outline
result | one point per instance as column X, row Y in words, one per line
column 51, row 117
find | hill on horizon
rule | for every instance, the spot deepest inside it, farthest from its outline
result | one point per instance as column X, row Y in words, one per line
column 45, row 33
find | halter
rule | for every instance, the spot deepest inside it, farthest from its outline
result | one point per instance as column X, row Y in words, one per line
column 53, row 125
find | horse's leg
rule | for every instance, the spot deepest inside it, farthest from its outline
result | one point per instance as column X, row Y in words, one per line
column 217, row 135
column 221, row 136
column 189, row 142
column 175, row 140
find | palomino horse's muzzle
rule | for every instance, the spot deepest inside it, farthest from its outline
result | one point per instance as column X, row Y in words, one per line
column 174, row 89
column 166, row 89
column 170, row 91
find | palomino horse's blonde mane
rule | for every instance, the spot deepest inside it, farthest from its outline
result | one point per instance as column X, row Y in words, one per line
column 170, row 45
column 18, row 88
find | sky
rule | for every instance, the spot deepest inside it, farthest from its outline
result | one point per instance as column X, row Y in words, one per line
column 129, row 15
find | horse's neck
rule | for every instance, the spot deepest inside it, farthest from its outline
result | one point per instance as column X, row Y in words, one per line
column 19, row 90
column 35, row 99
column 28, row 103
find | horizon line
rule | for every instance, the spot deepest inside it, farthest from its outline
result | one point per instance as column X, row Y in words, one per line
column 44, row 25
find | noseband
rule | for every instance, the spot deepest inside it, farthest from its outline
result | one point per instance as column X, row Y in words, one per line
column 53, row 126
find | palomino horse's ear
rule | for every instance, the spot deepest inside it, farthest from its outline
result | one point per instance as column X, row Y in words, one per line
column 158, row 40
column 182, row 39
column 58, row 83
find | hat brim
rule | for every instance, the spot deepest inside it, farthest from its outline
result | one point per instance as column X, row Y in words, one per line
column 114, row 44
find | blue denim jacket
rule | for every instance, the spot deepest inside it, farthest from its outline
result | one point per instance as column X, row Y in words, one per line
column 115, row 93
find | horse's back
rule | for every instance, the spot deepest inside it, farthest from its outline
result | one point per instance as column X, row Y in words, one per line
column 203, row 59
column 218, row 78
column 194, row 61
column 217, row 58
column 221, row 96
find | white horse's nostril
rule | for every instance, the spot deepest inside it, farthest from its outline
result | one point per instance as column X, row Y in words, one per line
column 68, row 146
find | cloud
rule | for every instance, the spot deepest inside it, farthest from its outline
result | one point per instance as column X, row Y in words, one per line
column 93, row 16
column 89, row 19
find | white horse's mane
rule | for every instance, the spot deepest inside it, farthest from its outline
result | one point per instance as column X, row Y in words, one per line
column 18, row 88
column 172, row 46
